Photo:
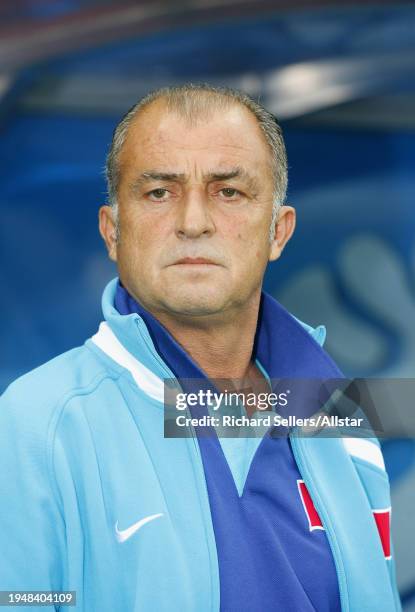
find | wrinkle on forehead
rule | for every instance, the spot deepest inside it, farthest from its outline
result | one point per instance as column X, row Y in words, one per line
column 163, row 137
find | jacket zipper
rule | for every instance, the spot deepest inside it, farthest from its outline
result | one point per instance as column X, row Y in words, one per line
column 298, row 453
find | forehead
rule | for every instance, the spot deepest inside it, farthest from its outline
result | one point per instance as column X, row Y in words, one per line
column 164, row 138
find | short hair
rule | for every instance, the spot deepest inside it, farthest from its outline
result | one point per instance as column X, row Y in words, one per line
column 194, row 101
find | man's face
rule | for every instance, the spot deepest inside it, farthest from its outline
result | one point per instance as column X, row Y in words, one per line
column 195, row 207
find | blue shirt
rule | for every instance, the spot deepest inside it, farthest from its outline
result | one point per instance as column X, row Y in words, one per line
column 268, row 557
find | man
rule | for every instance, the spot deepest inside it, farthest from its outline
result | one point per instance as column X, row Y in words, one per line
column 94, row 498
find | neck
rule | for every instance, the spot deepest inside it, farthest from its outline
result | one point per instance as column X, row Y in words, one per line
column 221, row 344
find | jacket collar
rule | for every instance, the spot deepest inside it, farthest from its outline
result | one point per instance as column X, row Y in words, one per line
column 284, row 346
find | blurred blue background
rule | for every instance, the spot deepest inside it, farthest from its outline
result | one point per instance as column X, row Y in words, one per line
column 340, row 78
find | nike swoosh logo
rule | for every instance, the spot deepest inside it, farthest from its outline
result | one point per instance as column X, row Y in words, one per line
column 124, row 534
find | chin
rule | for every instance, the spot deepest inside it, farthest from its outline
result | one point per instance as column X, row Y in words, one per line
column 196, row 303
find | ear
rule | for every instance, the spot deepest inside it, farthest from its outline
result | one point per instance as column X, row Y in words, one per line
column 284, row 229
column 108, row 230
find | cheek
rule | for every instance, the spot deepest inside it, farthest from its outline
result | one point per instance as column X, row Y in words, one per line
column 250, row 240
column 250, row 228
column 244, row 240
column 140, row 232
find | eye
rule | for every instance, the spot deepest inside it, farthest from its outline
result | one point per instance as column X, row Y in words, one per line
column 158, row 194
column 229, row 192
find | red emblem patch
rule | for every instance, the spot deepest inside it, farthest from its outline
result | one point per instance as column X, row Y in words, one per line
column 314, row 521
column 383, row 523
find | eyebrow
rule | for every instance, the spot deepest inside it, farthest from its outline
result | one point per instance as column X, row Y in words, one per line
column 228, row 174
column 215, row 175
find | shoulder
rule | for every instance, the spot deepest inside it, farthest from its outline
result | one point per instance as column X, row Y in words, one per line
column 33, row 399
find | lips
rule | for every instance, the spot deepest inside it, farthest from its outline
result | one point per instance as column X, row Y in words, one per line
column 195, row 260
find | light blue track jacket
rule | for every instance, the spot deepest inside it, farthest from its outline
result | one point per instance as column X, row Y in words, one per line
column 83, row 459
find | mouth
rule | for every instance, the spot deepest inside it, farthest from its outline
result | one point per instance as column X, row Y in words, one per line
column 195, row 261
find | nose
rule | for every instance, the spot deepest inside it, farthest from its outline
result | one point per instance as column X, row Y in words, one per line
column 194, row 217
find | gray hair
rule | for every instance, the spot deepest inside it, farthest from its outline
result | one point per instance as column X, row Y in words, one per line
column 193, row 102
